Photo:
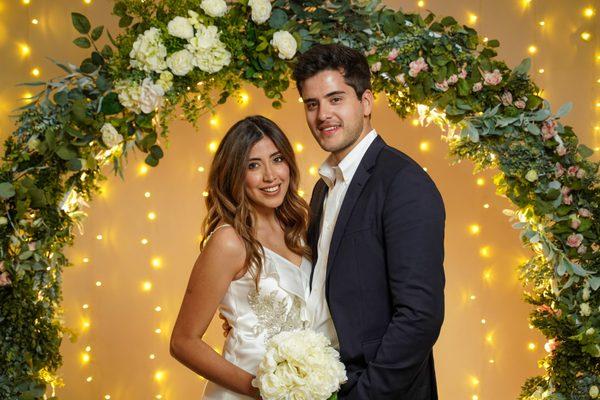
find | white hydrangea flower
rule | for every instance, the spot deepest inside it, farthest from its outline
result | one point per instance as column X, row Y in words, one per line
column 151, row 96
column 299, row 365
column 285, row 44
column 166, row 80
column 181, row 27
column 110, row 136
column 214, row 8
column 149, row 52
column 261, row 10
column 206, row 37
column 140, row 98
column 209, row 53
column 129, row 95
column 214, row 60
column 181, row 62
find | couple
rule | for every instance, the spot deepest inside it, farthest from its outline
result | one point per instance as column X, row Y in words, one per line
column 366, row 271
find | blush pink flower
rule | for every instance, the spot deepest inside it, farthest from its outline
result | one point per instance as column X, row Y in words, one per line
column 5, row 279
column 572, row 170
column 549, row 129
column 561, row 150
column 393, row 54
column 2, row 266
column 400, row 78
column 574, row 240
column 417, row 66
column 371, row 52
column 560, row 170
column 492, row 78
column 575, row 222
column 376, row 67
column 506, row 98
column 580, row 173
column 452, row 79
column 520, row 104
column 581, row 249
column 477, row 87
column 584, row 212
column 443, row 86
column 463, row 74
column 567, row 198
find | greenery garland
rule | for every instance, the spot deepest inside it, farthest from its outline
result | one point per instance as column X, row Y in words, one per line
column 181, row 53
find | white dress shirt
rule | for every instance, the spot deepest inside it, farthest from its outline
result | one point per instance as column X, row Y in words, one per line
column 338, row 178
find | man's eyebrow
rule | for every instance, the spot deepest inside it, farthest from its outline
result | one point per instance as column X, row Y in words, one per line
column 330, row 94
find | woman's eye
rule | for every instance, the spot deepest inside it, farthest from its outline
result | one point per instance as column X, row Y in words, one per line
column 252, row 165
column 278, row 159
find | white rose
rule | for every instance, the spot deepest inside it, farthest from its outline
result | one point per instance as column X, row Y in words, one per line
column 151, row 96
column 214, row 8
column 585, row 309
column 33, row 143
column 214, row 60
column 129, row 95
column 110, row 136
column 586, row 294
column 181, row 62
column 181, row 27
column 261, row 10
column 148, row 52
column 285, row 44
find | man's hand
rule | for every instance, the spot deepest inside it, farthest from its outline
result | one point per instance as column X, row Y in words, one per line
column 226, row 326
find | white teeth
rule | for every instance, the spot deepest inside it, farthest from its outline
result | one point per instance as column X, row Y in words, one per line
column 271, row 189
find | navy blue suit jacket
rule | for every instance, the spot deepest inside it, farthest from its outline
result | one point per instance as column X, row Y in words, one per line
column 385, row 277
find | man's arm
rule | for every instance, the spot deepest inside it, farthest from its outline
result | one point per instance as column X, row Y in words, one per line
column 413, row 225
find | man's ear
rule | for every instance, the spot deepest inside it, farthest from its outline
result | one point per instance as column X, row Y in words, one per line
column 367, row 100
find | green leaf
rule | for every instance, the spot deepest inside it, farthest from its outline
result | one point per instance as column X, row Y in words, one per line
column 97, row 32
column 390, row 26
column 533, row 102
column 125, row 21
column 110, row 104
column 107, row 51
column 276, row 104
column 448, row 21
column 262, row 46
column 156, row 152
column 87, row 66
column 523, row 68
column 61, row 98
column 7, row 190
column 151, row 161
column 493, row 43
column 278, row 18
column 81, row 23
column 595, row 282
column 66, row 152
column 82, row 42
column 120, row 9
column 564, row 110
column 75, row 164
column 584, row 151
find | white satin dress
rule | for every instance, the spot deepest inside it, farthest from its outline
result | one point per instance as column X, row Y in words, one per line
column 254, row 317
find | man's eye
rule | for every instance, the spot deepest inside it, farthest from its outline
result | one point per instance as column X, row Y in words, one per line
column 336, row 99
column 311, row 106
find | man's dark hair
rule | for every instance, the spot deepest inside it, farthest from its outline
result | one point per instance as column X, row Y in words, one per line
column 323, row 57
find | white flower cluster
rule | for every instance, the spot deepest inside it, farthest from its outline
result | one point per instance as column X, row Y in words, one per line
column 204, row 49
column 145, row 98
column 110, row 136
column 285, row 44
column 299, row 365
column 149, row 52
column 261, row 10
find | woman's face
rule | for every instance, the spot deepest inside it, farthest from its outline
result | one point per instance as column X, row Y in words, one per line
column 267, row 175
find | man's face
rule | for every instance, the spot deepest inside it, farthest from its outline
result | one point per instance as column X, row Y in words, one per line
column 337, row 118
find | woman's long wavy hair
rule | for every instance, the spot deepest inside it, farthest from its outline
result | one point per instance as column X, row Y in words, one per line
column 227, row 201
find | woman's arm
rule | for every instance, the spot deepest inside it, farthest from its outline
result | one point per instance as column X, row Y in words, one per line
column 220, row 262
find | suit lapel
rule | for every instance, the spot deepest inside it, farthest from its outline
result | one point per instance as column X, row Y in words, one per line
column 361, row 176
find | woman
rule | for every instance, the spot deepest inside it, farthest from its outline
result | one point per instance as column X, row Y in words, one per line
column 253, row 264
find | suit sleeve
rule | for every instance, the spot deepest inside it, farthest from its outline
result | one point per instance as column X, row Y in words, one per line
column 413, row 228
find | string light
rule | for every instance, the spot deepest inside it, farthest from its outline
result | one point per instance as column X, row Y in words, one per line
column 472, row 18
column 415, row 122
column 473, row 297
column 489, row 338
column 487, row 275
column 35, row 72
column 474, row 229
column 151, row 215
column 157, row 331
column 299, row 147
column 421, row 3
column 474, row 381
column 89, row 379
column 86, row 260
column 143, row 169
column 88, row 348
column 156, row 263
column 85, row 324
column 98, row 283
column 300, row 100
column 301, row 193
column 159, row 376
column 313, row 171
column 526, row 3
column 85, row 358
column 147, row 195
column 531, row 346
column 213, row 146
column 152, row 356
column 586, row 36
column 87, row 1
column 205, row 194
column 424, row 146
column 85, row 306
column 158, row 308
column 214, row 121
column 541, row 70
column 485, row 251
column 532, row 49
column 146, row 286
column 589, row 12
column 542, row 23
column 244, row 98
column 99, row 237
column 26, row 2
column 483, row 321
column 200, row 169
column 144, row 241
column 24, row 49
column 480, row 181
column 486, row 206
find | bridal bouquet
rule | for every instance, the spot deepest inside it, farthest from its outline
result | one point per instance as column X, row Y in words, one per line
column 299, row 365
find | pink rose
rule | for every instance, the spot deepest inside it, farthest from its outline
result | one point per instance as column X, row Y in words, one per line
column 506, row 98
column 376, row 67
column 561, row 150
column 584, row 212
column 371, row 52
column 417, row 66
column 520, row 104
column 574, row 240
column 572, row 170
column 477, row 87
column 575, row 222
column 452, row 79
column 492, row 78
column 567, row 198
column 582, row 249
column 400, row 78
column 549, row 129
column 393, row 54
column 2, row 266
column 463, row 74
column 560, row 170
column 551, row 345
column 580, row 173
column 31, row 246
column 5, row 279
column 442, row 86
column 545, row 308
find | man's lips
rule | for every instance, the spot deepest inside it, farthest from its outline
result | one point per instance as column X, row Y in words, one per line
column 329, row 130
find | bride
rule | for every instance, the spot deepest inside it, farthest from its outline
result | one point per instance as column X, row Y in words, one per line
column 253, row 266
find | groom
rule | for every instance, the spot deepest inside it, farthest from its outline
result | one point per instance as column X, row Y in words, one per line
column 377, row 238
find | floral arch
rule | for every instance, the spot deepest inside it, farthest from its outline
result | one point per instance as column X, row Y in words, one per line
column 196, row 55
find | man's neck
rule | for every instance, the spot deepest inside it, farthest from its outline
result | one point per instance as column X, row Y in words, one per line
column 337, row 157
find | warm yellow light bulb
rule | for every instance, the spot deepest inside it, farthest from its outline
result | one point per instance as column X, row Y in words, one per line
column 421, row 3
column 487, row 275
column 146, row 286
column 85, row 306
column 541, row 70
column 531, row 346
column 86, row 260
column 472, row 18
column 158, row 308
column 26, row 2
column 486, row 206
column 24, row 49
column 144, row 241
column 89, row 379
column 424, row 146
column 301, row 193
column 299, row 147
column 474, row 381
column 87, row 1
column 213, row 146
column 214, row 121
column 480, row 181
column 159, row 376
column 152, row 356
column 473, row 297
column 489, row 338
column 35, row 21
column 474, row 229
column 99, row 237
column 485, row 251
column 156, row 263
column 35, row 72
column 526, row 3
column 98, row 283
column 300, row 100
column 143, row 169
column 244, row 98
column 201, row 169
column 85, row 358
column 586, row 36
column 205, row 194
column 157, row 331
column 415, row 122
column 532, row 49
column 147, row 195
column 589, row 12
column 85, row 324
column 483, row 321
column 151, row 215
column 313, row 171
column 542, row 23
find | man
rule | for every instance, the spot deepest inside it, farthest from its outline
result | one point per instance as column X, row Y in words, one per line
column 376, row 234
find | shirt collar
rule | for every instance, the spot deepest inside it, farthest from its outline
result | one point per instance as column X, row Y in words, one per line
column 344, row 171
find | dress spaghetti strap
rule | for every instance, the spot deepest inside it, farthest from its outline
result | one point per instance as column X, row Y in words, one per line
column 216, row 229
